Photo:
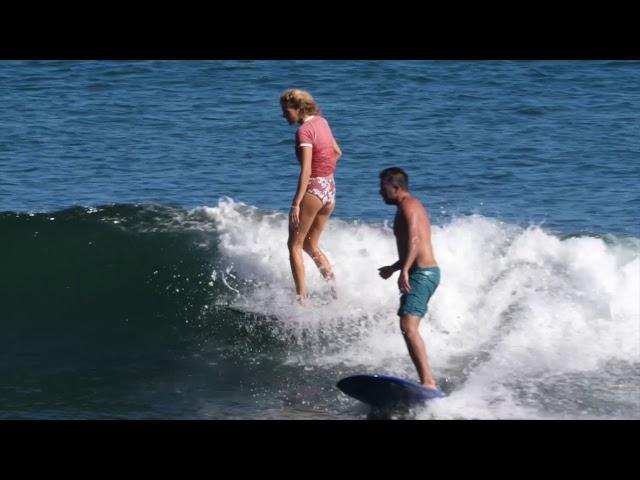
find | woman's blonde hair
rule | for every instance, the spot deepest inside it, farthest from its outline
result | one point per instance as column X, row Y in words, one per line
column 300, row 100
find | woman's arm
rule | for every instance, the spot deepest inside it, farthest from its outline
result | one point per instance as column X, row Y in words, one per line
column 304, row 156
column 336, row 148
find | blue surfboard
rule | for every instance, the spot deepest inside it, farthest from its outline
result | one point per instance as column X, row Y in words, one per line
column 384, row 391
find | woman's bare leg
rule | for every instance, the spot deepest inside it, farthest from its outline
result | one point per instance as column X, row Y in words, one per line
column 312, row 241
column 309, row 208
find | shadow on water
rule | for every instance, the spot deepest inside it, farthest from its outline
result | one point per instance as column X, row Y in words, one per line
column 398, row 413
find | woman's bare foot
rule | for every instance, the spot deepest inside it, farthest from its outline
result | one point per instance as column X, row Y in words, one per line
column 334, row 292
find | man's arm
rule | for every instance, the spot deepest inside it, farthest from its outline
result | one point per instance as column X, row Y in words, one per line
column 409, row 210
column 386, row 272
column 411, row 215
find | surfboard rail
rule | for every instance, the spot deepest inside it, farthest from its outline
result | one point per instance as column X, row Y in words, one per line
column 385, row 391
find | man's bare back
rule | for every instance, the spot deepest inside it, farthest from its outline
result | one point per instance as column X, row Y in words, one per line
column 411, row 216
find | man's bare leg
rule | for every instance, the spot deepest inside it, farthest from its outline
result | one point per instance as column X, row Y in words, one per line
column 417, row 351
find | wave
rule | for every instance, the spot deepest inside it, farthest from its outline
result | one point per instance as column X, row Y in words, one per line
column 515, row 307
column 121, row 273
column 519, row 311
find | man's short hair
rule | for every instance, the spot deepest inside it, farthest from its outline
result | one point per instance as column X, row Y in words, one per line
column 395, row 176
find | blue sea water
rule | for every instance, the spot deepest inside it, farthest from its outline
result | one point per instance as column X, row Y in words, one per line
column 555, row 142
column 529, row 169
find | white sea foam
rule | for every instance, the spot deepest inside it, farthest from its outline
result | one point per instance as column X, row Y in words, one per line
column 514, row 305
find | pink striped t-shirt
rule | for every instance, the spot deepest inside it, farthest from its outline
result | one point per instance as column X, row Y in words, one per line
column 316, row 133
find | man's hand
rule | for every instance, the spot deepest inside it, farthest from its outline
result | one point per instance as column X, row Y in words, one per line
column 386, row 272
column 403, row 282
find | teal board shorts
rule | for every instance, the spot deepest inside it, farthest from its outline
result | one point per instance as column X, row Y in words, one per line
column 424, row 282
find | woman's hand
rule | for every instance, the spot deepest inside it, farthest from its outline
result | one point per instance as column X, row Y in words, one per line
column 294, row 217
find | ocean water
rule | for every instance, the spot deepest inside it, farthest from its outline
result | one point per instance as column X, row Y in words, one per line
column 144, row 269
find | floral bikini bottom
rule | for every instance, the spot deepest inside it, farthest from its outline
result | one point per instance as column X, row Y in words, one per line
column 324, row 188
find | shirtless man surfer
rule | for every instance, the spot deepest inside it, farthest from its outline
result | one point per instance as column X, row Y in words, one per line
column 419, row 272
